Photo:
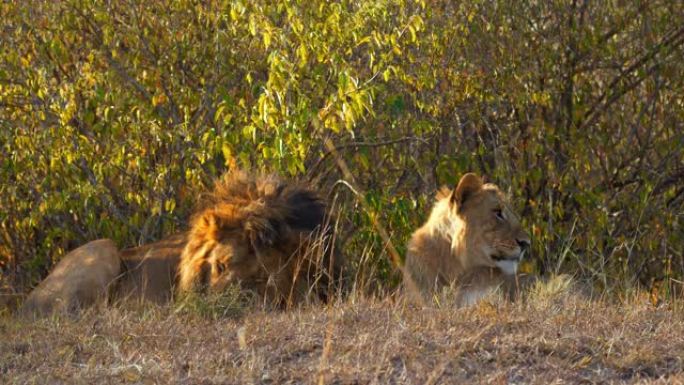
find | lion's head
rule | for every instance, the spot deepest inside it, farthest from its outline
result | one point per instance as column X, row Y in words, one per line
column 263, row 234
column 471, row 227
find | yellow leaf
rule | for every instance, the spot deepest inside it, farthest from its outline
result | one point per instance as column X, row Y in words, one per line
column 158, row 99
column 169, row 205
column 267, row 38
column 303, row 55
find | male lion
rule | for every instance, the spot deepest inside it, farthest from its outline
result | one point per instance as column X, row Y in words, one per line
column 472, row 241
column 260, row 233
column 266, row 235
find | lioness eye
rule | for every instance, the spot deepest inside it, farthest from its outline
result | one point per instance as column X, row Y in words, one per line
column 499, row 214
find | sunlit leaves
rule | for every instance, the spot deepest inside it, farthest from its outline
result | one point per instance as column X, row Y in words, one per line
column 114, row 115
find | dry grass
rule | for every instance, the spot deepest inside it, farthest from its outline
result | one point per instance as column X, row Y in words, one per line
column 552, row 337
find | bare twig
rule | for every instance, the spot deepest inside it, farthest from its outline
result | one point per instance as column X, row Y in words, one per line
column 382, row 232
column 381, row 143
column 673, row 41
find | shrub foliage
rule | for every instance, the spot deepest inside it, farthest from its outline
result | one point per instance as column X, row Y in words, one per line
column 114, row 115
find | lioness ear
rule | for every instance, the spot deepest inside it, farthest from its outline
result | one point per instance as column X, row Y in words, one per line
column 467, row 186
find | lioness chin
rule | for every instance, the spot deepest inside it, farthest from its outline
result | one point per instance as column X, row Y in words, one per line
column 472, row 241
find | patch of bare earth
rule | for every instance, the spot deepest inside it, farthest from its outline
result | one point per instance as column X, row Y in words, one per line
column 543, row 341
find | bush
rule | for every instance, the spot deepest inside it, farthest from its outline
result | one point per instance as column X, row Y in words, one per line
column 113, row 116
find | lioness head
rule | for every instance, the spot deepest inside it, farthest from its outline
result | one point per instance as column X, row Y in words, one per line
column 488, row 232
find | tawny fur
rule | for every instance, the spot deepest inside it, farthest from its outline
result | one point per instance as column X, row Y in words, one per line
column 472, row 241
column 259, row 232
column 264, row 234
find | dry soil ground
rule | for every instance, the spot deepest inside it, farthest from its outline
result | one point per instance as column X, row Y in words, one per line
column 559, row 338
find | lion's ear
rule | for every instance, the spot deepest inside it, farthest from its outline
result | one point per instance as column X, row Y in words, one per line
column 467, row 186
column 207, row 224
column 263, row 230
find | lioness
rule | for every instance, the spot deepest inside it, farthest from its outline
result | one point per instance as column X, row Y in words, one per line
column 261, row 233
column 472, row 240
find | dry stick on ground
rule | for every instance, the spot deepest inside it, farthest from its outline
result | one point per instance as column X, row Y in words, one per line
column 327, row 347
column 394, row 254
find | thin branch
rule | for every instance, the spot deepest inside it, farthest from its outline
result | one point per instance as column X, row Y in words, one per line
column 363, row 144
column 603, row 102
column 395, row 258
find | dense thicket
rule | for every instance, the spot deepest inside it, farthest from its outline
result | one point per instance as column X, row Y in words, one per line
column 114, row 115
